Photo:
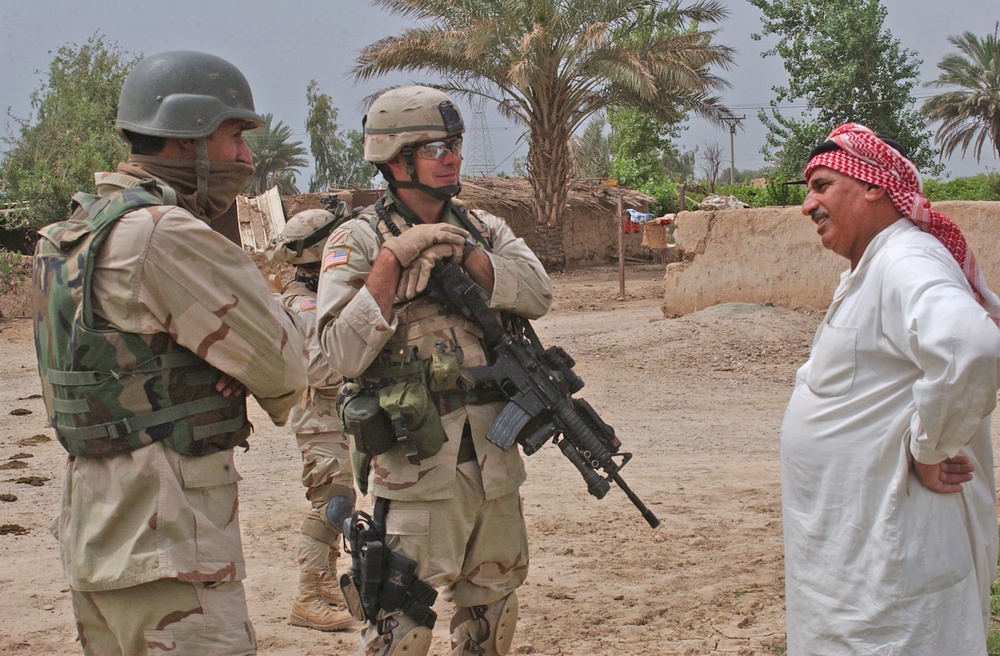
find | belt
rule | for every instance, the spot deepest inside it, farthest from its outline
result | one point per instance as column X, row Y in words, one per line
column 452, row 400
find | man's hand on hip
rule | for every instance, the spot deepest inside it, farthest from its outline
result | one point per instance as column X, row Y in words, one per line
column 947, row 476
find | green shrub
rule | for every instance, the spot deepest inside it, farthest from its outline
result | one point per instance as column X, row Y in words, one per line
column 984, row 186
column 774, row 193
column 11, row 273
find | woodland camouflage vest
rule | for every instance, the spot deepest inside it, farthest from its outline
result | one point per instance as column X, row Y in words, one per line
column 108, row 392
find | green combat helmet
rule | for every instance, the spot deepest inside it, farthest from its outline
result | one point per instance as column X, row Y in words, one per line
column 183, row 94
column 405, row 117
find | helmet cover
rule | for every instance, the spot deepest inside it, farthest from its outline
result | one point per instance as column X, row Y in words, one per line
column 407, row 116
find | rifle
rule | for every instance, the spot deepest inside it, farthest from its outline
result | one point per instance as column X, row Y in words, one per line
column 539, row 384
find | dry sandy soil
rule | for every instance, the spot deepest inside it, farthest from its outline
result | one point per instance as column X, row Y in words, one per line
column 698, row 400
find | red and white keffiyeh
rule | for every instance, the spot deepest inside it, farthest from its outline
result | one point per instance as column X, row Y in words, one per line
column 864, row 156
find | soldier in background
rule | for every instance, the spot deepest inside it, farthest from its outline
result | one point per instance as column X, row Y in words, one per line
column 326, row 465
column 149, row 327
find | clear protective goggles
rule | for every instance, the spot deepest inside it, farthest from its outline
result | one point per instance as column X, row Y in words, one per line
column 436, row 150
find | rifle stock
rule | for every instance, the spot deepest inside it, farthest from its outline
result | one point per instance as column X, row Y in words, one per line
column 539, row 384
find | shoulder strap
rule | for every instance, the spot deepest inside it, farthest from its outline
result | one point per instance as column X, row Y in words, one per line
column 89, row 215
column 463, row 218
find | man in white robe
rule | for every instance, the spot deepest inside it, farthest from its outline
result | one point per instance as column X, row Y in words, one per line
column 887, row 468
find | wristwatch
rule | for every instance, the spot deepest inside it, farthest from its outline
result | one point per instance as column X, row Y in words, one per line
column 469, row 246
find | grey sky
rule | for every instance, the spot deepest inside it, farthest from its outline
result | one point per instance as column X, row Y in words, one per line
column 282, row 46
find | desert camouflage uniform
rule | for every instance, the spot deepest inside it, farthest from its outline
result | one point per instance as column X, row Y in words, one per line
column 147, row 519
column 457, row 513
column 326, row 455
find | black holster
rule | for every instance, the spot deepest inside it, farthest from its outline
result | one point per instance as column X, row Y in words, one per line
column 381, row 580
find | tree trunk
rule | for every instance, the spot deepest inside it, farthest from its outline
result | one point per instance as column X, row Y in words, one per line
column 548, row 171
column 549, row 247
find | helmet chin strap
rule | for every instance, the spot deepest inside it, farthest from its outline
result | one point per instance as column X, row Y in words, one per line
column 202, row 168
column 443, row 193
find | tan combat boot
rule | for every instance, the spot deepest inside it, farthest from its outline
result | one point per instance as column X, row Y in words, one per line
column 329, row 581
column 311, row 610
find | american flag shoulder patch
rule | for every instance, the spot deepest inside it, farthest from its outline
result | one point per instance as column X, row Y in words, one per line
column 336, row 257
column 307, row 304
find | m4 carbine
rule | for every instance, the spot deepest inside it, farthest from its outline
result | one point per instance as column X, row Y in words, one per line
column 539, row 384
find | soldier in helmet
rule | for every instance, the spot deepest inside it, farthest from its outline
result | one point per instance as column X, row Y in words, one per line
column 444, row 496
column 326, row 464
column 150, row 327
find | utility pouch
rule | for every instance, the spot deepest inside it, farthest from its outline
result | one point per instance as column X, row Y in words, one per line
column 403, row 590
column 445, row 368
column 415, row 419
column 400, row 572
column 352, row 597
column 362, row 417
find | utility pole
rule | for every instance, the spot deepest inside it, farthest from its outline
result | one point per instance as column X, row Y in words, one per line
column 732, row 122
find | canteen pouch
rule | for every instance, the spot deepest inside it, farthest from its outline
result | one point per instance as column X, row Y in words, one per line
column 415, row 419
column 362, row 417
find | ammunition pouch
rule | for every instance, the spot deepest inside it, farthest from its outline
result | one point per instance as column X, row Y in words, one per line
column 381, row 581
column 400, row 414
column 415, row 419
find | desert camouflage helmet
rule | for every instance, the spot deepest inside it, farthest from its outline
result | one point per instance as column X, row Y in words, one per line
column 407, row 116
column 302, row 239
column 183, row 94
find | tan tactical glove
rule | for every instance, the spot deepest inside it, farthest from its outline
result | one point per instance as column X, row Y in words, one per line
column 415, row 239
column 415, row 277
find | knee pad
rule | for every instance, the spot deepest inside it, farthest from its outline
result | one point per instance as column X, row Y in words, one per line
column 415, row 642
column 490, row 628
column 314, row 525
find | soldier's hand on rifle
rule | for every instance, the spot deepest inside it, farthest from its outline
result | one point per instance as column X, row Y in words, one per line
column 415, row 277
column 416, row 239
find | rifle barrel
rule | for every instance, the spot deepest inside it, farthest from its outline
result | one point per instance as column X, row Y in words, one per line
column 646, row 513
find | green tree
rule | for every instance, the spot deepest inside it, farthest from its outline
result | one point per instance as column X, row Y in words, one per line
column 552, row 64
column 969, row 115
column 678, row 165
column 72, row 136
column 339, row 155
column 276, row 159
column 847, row 68
column 637, row 144
column 592, row 150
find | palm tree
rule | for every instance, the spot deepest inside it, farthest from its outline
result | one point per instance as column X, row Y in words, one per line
column 551, row 64
column 971, row 114
column 275, row 159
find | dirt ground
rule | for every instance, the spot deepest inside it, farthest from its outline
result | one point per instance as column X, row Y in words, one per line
column 698, row 400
